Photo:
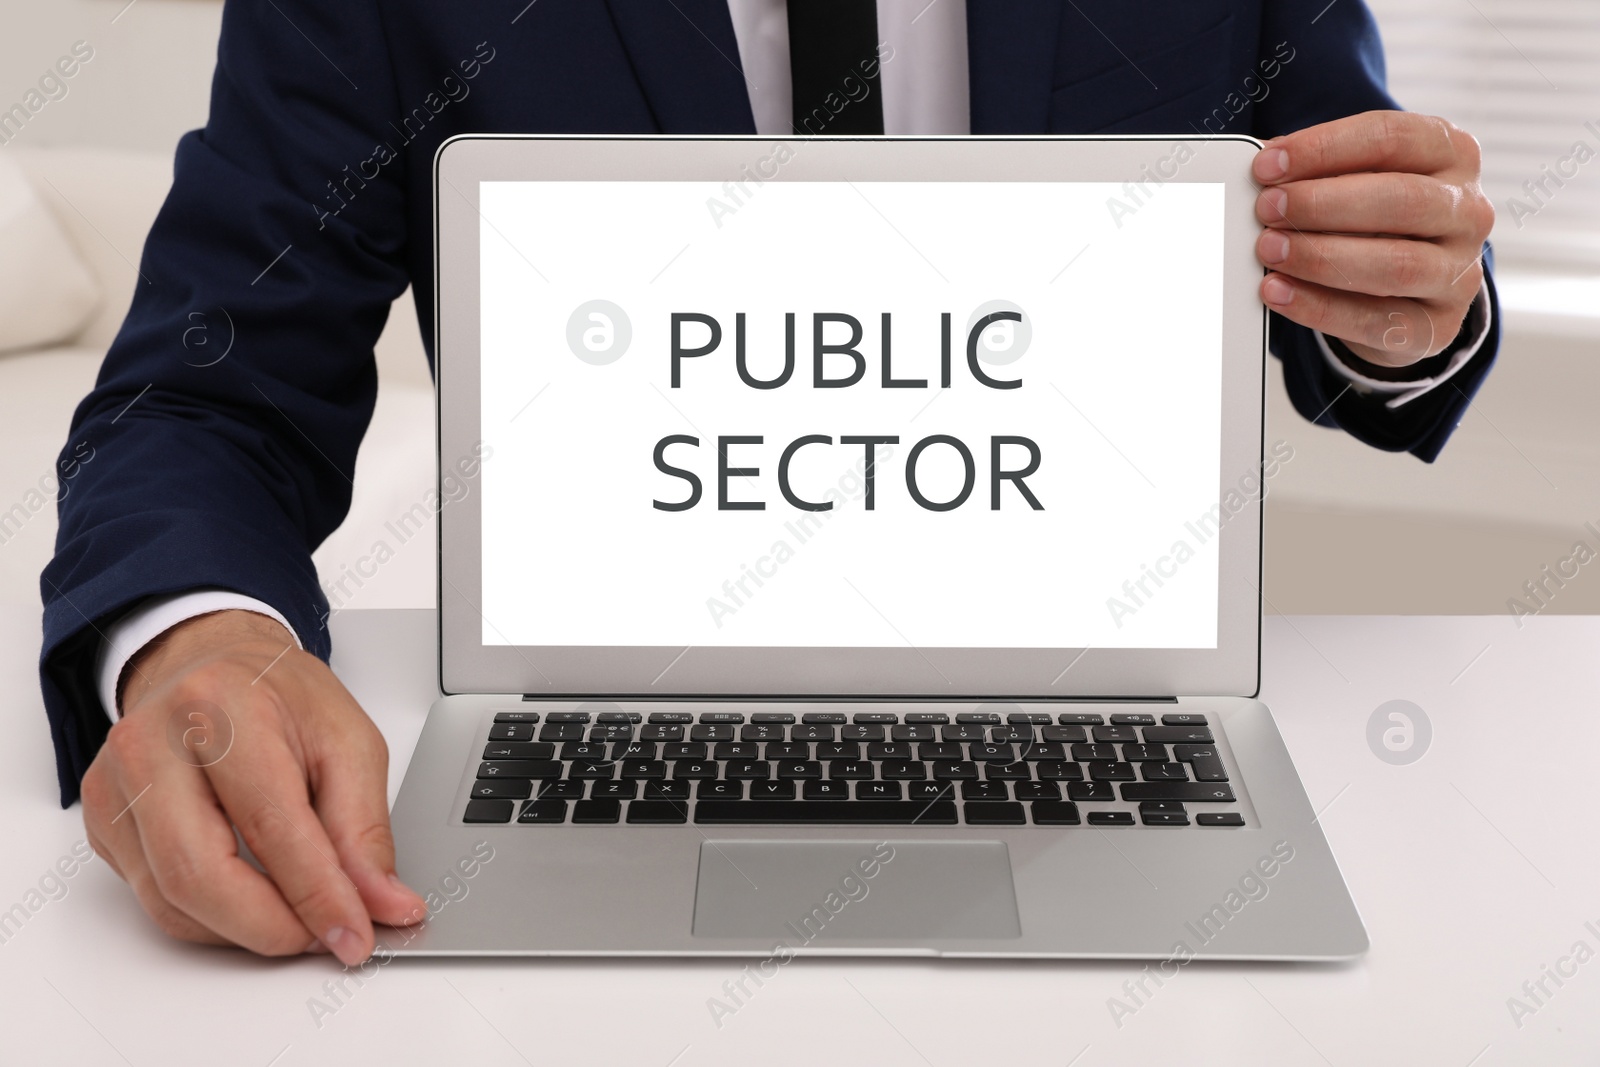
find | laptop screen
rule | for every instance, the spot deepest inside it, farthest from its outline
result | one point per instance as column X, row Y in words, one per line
column 871, row 414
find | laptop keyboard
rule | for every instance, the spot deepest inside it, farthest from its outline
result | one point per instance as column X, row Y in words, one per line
column 832, row 768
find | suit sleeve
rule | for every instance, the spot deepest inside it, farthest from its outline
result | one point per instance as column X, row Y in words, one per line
column 1337, row 70
column 224, row 464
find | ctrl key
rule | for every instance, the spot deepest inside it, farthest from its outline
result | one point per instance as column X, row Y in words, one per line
column 1219, row 818
column 538, row 811
column 488, row 811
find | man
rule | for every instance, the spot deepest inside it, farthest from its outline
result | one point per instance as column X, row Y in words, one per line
column 183, row 576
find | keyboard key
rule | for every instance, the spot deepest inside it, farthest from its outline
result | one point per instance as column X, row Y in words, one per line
column 929, row 791
column 505, row 789
column 644, row 768
column 784, row 718
column 594, row 751
column 520, row 768
column 1010, row 735
column 983, row 791
column 1088, row 752
column 1108, row 771
column 1189, row 719
column 658, row 811
column 787, row 750
column 811, row 733
column 723, row 790
column 693, row 769
column 1042, row 750
column 1178, row 735
column 731, row 750
column 796, row 769
column 1029, row 718
column 1133, row 719
column 882, row 750
column 1111, row 818
column 516, row 716
column 674, row 790
column 771, row 790
column 947, row 751
column 824, row 718
column 613, row 790
column 1090, row 791
column 1037, row 791
column 874, row 718
column 1163, row 772
column 1068, row 735
column 566, row 789
column 861, row 733
column 1185, row 791
column 761, row 732
column 618, row 716
column 991, row 753
column 611, row 732
column 634, row 750
column 826, row 791
column 1204, row 759
column 726, row 718
column 662, row 718
column 955, row 771
column 904, row 770
column 717, row 732
column 538, row 811
column 1007, row 771
column 963, row 733
column 1140, row 753
column 926, row 718
column 1060, row 771
column 1055, row 813
column 748, row 769
column 1219, row 818
column 1079, row 719
column 567, row 716
column 832, row 750
column 1164, row 818
column 851, row 770
column 1007, row 814
column 661, row 733
column 911, row 733
column 827, row 812
column 519, row 750
column 560, row 731
column 981, row 718
column 684, row 750
column 1104, row 734
column 582, row 769
column 877, row 790
column 596, row 811
column 511, row 731
column 488, row 811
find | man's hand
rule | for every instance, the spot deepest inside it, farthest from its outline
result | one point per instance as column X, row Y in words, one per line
column 1375, row 230
column 227, row 724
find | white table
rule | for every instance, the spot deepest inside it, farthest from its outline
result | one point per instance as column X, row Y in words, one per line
column 1475, row 867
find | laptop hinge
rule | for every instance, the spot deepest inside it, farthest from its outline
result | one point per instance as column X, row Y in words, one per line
column 852, row 699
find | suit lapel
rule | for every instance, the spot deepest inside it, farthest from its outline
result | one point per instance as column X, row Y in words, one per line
column 687, row 60
column 1011, row 54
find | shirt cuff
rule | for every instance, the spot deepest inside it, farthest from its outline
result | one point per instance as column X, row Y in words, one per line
column 1479, row 319
column 155, row 617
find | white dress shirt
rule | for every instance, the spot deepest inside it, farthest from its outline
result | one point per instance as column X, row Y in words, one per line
column 925, row 86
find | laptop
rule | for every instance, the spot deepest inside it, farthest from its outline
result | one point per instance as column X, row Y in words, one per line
column 853, row 547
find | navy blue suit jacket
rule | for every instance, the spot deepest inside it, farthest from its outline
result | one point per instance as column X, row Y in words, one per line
column 303, row 209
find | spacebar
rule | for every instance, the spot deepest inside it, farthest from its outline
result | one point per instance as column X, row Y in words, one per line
column 893, row 812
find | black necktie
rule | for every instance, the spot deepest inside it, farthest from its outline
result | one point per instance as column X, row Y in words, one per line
column 833, row 59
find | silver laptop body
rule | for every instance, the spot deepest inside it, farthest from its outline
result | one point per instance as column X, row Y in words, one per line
column 1120, row 796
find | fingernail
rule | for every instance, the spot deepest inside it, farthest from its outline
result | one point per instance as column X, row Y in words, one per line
column 317, row 948
column 1277, row 291
column 1274, row 247
column 1277, row 204
column 1272, row 164
column 344, row 945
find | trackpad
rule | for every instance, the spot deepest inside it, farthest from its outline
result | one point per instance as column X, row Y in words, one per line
column 822, row 892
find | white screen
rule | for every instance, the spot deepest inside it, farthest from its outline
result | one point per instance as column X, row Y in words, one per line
column 1120, row 395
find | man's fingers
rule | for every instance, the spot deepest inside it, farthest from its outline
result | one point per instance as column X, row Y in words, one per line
column 1379, row 266
column 1372, row 141
column 267, row 801
column 1401, row 331
column 1413, row 205
column 351, row 773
